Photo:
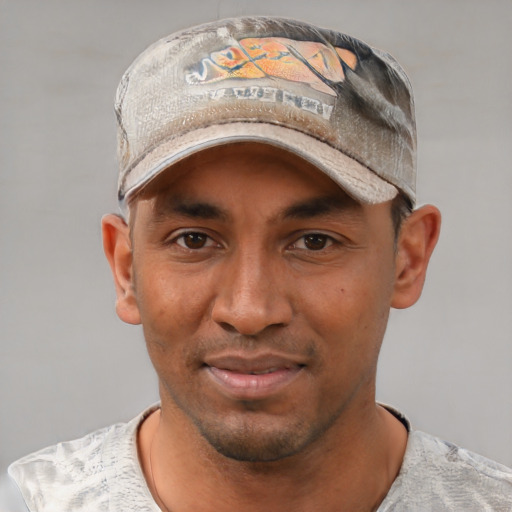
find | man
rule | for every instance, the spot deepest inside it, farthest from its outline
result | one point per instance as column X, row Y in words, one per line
column 267, row 179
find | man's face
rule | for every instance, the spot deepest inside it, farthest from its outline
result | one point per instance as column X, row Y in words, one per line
column 264, row 293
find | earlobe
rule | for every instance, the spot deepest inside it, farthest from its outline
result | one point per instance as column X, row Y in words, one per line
column 417, row 240
column 118, row 250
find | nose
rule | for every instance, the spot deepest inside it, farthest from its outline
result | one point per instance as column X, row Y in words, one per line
column 251, row 295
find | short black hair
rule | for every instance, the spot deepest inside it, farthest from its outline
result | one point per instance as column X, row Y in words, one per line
column 401, row 207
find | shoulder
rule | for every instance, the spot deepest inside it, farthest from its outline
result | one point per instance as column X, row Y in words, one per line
column 83, row 474
column 438, row 475
column 10, row 496
column 60, row 476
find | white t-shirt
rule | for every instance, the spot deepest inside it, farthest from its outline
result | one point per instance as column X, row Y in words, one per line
column 101, row 472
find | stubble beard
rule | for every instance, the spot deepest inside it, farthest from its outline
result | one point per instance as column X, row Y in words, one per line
column 251, row 435
column 250, row 443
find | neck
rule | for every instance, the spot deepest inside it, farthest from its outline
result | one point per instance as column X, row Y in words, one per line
column 351, row 468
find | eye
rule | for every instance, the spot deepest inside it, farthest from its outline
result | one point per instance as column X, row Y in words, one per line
column 194, row 240
column 313, row 242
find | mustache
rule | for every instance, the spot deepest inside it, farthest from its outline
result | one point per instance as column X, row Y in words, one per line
column 284, row 344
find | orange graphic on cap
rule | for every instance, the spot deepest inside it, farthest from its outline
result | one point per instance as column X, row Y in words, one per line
column 300, row 61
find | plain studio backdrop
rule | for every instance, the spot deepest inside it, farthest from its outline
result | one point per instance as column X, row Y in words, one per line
column 68, row 365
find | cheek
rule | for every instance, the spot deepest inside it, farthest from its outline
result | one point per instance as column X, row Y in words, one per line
column 350, row 305
column 171, row 303
column 171, row 314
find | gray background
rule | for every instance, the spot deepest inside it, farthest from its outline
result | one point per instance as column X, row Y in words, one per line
column 68, row 365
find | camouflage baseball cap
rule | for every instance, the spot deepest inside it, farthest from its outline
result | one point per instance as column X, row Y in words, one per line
column 325, row 96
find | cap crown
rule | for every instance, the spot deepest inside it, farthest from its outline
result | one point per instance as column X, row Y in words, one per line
column 327, row 85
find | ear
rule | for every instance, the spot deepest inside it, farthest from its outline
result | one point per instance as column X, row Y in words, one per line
column 118, row 250
column 417, row 240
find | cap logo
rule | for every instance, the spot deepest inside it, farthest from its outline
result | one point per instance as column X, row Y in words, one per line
column 312, row 63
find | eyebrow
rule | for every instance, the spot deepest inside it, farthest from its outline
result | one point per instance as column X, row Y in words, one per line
column 191, row 209
column 319, row 206
column 308, row 209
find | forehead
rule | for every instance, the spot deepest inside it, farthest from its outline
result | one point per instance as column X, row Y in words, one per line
column 260, row 170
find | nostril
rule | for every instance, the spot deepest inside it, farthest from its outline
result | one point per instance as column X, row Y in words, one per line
column 228, row 327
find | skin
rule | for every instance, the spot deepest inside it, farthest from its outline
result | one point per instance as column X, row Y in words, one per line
column 244, row 259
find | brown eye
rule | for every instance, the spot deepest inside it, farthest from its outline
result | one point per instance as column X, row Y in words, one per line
column 315, row 242
column 193, row 240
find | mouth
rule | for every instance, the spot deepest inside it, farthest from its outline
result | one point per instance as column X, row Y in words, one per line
column 252, row 378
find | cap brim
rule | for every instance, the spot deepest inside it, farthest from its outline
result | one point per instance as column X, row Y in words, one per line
column 357, row 180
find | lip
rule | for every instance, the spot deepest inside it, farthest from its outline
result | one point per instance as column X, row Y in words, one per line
column 247, row 377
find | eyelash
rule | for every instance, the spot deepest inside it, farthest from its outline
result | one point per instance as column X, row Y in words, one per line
column 206, row 241
column 310, row 238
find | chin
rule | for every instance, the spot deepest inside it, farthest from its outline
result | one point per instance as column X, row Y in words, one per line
column 245, row 448
column 253, row 442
